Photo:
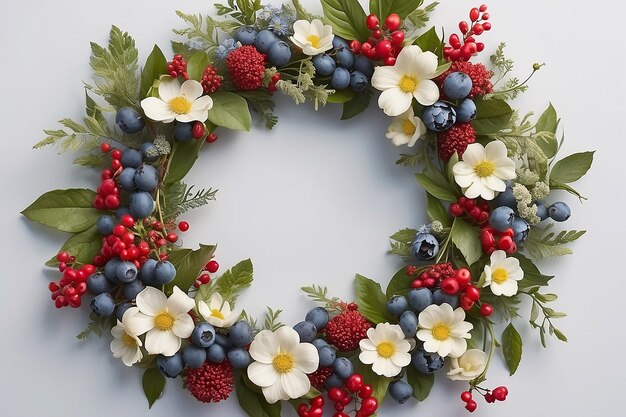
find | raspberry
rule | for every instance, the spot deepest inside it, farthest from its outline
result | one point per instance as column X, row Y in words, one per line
column 346, row 330
column 211, row 81
column 320, row 376
column 211, row 382
column 178, row 66
column 481, row 77
column 439, row 272
column 246, row 66
column 455, row 139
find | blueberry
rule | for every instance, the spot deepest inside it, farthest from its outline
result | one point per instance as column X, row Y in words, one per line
column 345, row 58
column 149, row 152
column 246, row 35
column 141, row 204
column 146, row 275
column 327, row 355
column 215, row 353
column 440, row 297
column 264, row 41
column 426, row 362
column 439, row 117
column 425, row 246
column 457, row 86
column 340, row 79
column 466, row 111
column 127, row 179
column 183, row 131
column 126, row 272
column 121, row 309
column 129, row 120
column 147, row 177
column 343, row 367
column 110, row 269
column 97, row 283
column 506, row 198
column 358, row 81
column 520, row 230
column 171, row 366
column 194, row 356
column 502, row 218
column 542, row 211
column 400, row 391
column 324, row 64
column 364, row 65
column 279, row 54
column 408, row 323
column 132, row 289
column 318, row 316
column 240, row 334
column 319, row 343
column 340, row 43
column 306, row 330
column 239, row 358
column 164, row 272
column 103, row 305
column 223, row 341
column 559, row 211
column 122, row 210
column 105, row 224
column 131, row 158
column 420, row 298
column 397, row 305
column 203, row 335
column 333, row 381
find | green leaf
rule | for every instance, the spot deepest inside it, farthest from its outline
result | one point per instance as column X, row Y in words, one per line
column 233, row 281
column 183, row 157
column 435, row 187
column 196, row 65
column 341, row 96
column 492, row 115
column 84, row 246
column 532, row 276
column 436, row 211
column 511, row 348
column 371, row 300
column 419, row 18
column 379, row 383
column 421, row 383
column 356, row 105
column 400, row 284
column 253, row 403
column 188, row 264
column 571, row 168
column 405, row 235
column 230, row 111
column 156, row 65
column 383, row 8
column 555, row 185
column 153, row 383
column 548, row 122
column 465, row 238
column 430, row 41
column 347, row 19
column 66, row 210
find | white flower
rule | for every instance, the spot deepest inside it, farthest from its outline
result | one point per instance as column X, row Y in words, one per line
column 468, row 366
column 281, row 363
column 165, row 320
column 502, row 274
column 217, row 312
column 125, row 344
column 406, row 129
column 483, row 169
column 385, row 349
column 444, row 330
column 312, row 37
column 183, row 103
column 409, row 77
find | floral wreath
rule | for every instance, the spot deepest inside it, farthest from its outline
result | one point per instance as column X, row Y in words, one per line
column 487, row 170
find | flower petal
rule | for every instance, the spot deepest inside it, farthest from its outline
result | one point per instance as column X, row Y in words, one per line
column 191, row 89
column 216, row 301
column 457, row 347
column 262, row 374
column 162, row 342
column 295, row 383
column 474, row 154
column 287, row 338
column 274, row 393
column 179, row 302
column 405, row 59
column 494, row 183
column 183, row 326
column 427, row 92
column 151, row 301
column 264, row 347
column 401, row 359
column 385, row 78
column 157, row 110
column 306, row 358
column 385, row 367
column 366, row 344
column 394, row 102
column 138, row 323
column 368, row 357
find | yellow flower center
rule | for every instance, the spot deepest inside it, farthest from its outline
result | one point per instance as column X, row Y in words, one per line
column 314, row 40
column 408, row 84
column 441, row 331
column 217, row 313
column 485, row 169
column 180, row 105
column 499, row 275
column 283, row 363
column 408, row 128
column 164, row 321
column 129, row 341
column 386, row 350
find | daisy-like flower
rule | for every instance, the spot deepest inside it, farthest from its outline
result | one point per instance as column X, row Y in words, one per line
column 502, row 274
column 125, row 345
column 467, row 366
column 483, row 170
column 217, row 312
column 406, row 129
column 411, row 77
column 444, row 330
column 312, row 37
column 281, row 363
column 183, row 103
column 164, row 320
column 385, row 349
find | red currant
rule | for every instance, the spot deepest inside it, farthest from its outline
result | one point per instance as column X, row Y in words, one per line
column 466, row 396
column 105, row 147
column 384, row 48
column 127, row 220
column 397, row 37
column 372, row 22
column 486, row 310
column 211, row 138
column 183, row 226
column 172, row 237
column 393, row 22
column 474, row 14
column 471, row 406
column 212, row 266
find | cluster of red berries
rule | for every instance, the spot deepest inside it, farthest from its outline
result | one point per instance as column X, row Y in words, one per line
column 272, row 85
column 212, row 382
column 178, row 66
column 211, row 81
column 385, row 43
column 456, row 139
column 319, row 377
column 108, row 193
column 355, row 391
column 246, row 67
column 211, row 267
column 498, row 394
column 347, row 329
column 72, row 285
column 431, row 276
column 462, row 49
column 492, row 240
column 477, row 210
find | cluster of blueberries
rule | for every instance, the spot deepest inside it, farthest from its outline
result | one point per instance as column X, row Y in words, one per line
column 443, row 115
column 139, row 178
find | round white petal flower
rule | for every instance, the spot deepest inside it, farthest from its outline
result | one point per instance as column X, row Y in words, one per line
column 502, row 274
column 385, row 349
column 183, row 103
column 312, row 37
column 125, row 345
column 443, row 330
column 217, row 312
column 468, row 366
column 281, row 363
column 483, row 169
column 409, row 78
column 406, row 129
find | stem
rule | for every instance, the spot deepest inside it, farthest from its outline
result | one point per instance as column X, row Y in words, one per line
column 492, row 348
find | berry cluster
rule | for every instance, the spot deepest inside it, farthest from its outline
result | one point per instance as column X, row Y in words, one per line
column 212, row 382
column 211, row 81
column 347, row 329
column 476, row 209
column 178, row 67
column 272, row 85
column 354, row 390
column 492, row 240
column 478, row 73
column 462, row 49
column 386, row 41
column 108, row 193
column 246, row 66
column 71, row 287
column 456, row 139
column 204, row 278
column 498, row 394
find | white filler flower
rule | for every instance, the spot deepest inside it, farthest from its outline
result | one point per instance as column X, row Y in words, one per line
column 406, row 129
column 502, row 274
column 183, row 103
column 312, row 37
column 467, row 366
column 385, row 349
column 125, row 345
column 444, row 330
column 217, row 312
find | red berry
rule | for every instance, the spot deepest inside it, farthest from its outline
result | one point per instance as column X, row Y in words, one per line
column 197, row 130
column 474, row 14
column 466, row 396
column 116, row 154
column 212, row 266
column 355, row 46
column 486, row 310
column 116, row 164
column 450, row 286
column 417, row 283
column 183, row 226
column 500, row 393
column 487, row 239
column 390, row 61
column 112, row 201
column 512, row 249
column 127, row 220
column 429, row 282
column 172, row 237
column 463, row 27
column 489, row 398
column 384, row 48
column 471, row 406
column 455, row 55
column 475, row 212
column 353, row 307
column 106, row 174
column 480, row 46
column 487, row 26
column 478, row 28
column 393, row 22
column 455, row 41
column 483, row 8
column 455, row 209
column 246, row 66
column 372, row 54
column 119, row 230
column 397, row 37
column 366, row 47
column 336, row 394
column 377, row 34
column 504, row 243
column 372, row 22
column 463, row 277
column 508, row 232
column 211, row 138
column 63, row 257
column 108, row 186
column 366, row 391
column 105, row 147
column 472, row 293
column 157, row 225
column 354, row 382
column 468, row 50
column 368, row 406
